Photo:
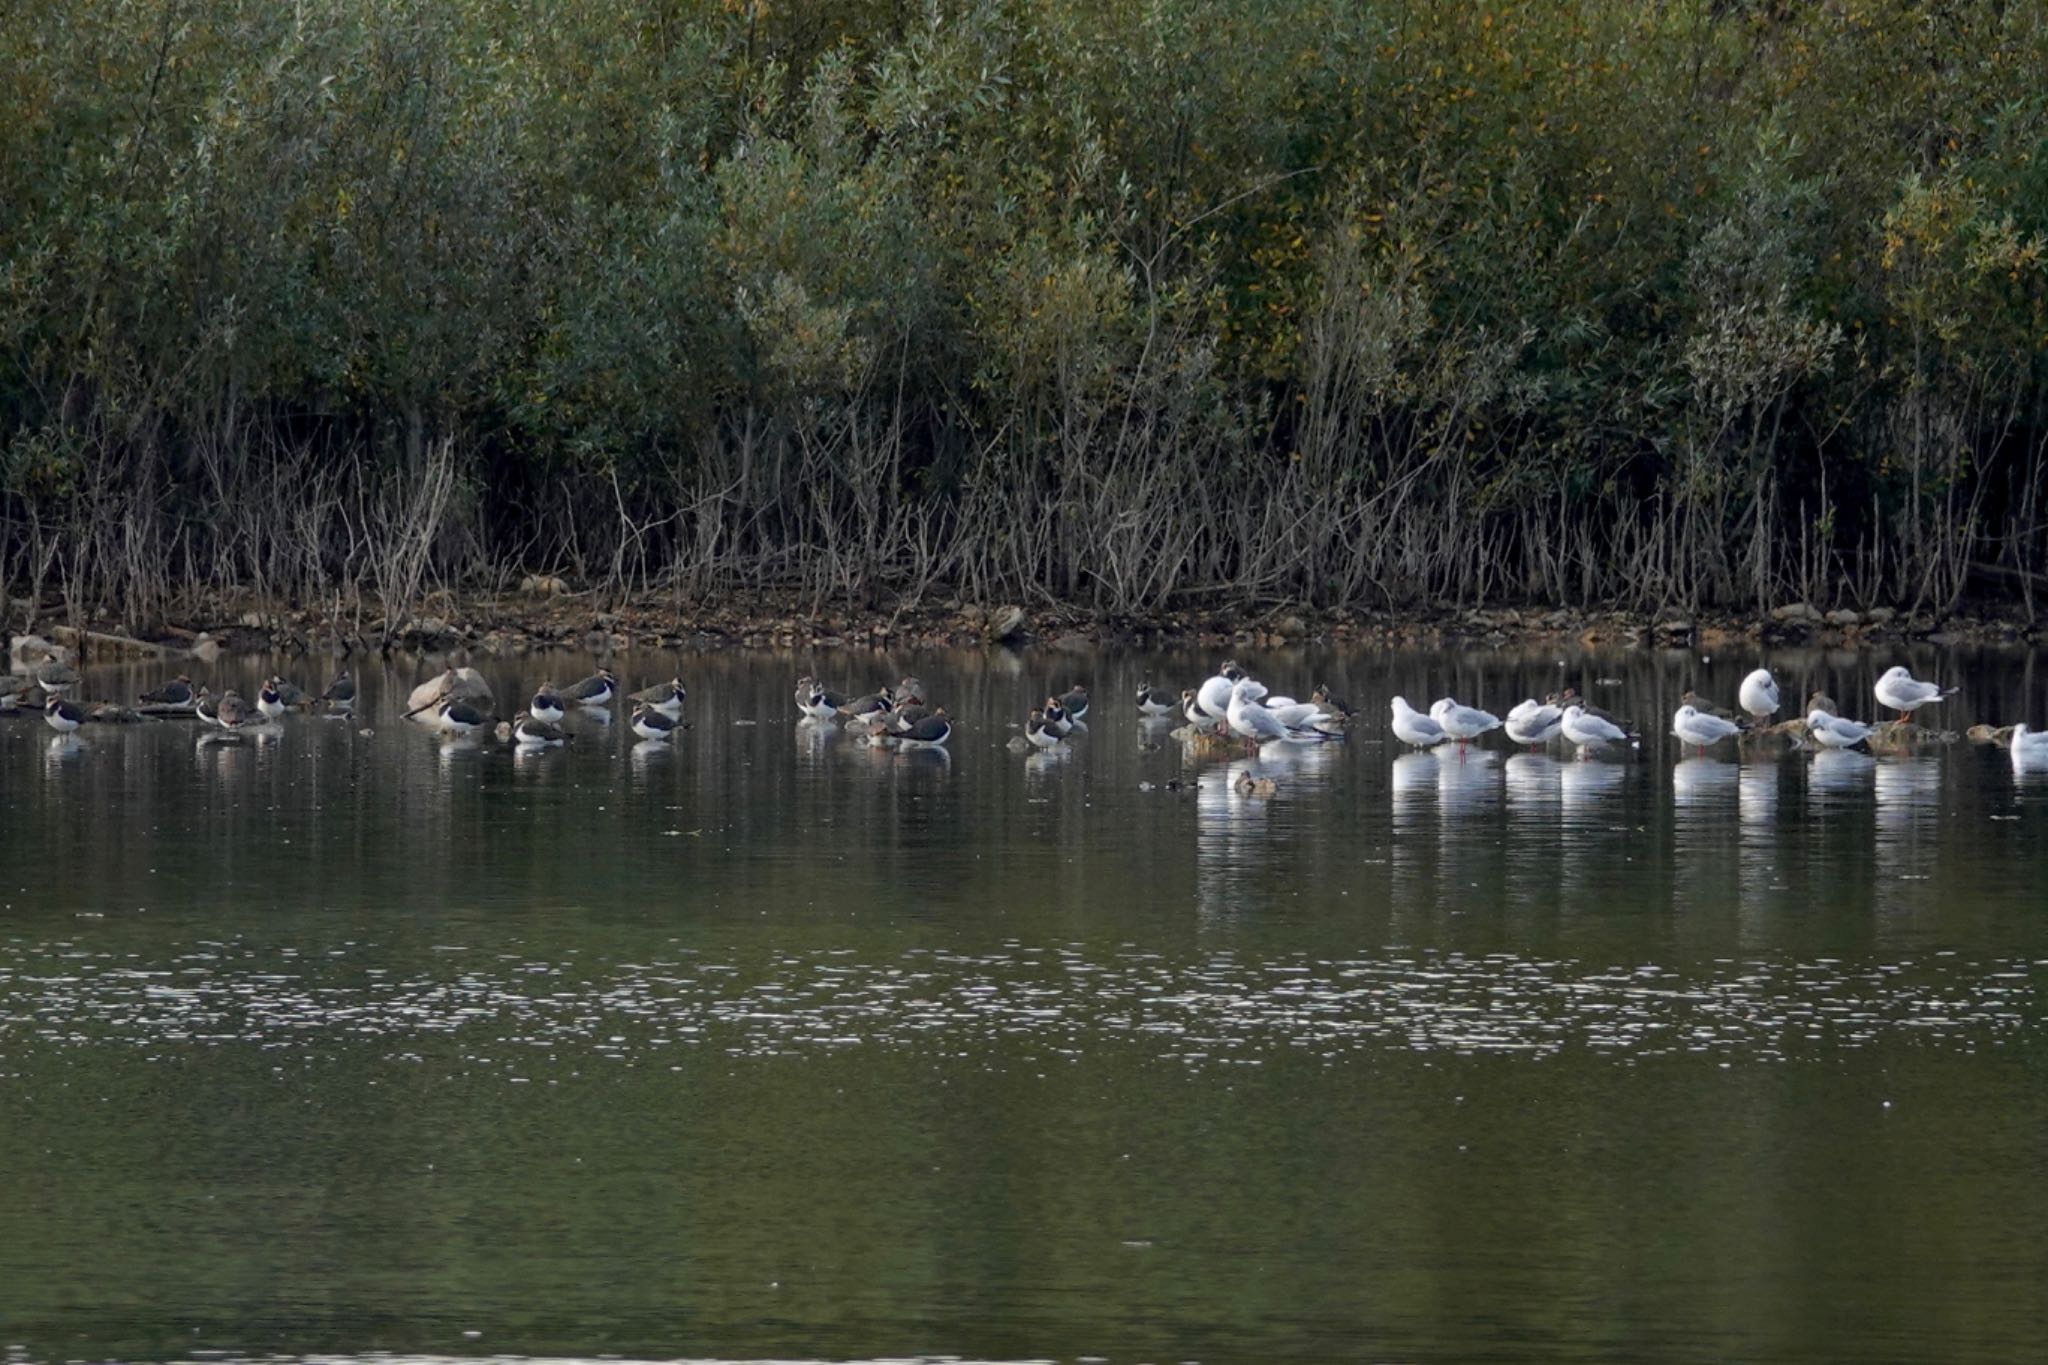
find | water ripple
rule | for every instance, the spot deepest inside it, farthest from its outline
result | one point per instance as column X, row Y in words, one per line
column 1218, row 1010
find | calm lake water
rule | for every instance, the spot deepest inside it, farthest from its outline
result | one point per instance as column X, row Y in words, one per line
column 777, row 1046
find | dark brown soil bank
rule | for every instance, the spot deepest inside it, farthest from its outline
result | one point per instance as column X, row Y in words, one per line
column 546, row 614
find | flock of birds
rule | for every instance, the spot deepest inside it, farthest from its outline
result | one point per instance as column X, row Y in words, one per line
column 1698, row 723
column 1229, row 704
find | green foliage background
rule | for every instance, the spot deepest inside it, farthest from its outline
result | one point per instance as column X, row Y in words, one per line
column 1129, row 303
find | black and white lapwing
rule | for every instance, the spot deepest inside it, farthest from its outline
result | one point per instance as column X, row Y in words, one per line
column 340, row 694
column 667, row 698
column 651, row 722
column 930, row 733
column 1156, row 701
column 817, row 701
column 460, row 718
column 547, row 705
column 594, row 691
column 1041, row 734
column 532, row 733
column 270, row 699
column 62, row 716
column 178, row 693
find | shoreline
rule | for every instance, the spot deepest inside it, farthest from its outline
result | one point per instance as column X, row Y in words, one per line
column 554, row 618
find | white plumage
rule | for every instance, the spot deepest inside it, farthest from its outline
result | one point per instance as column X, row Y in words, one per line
column 2029, row 748
column 1590, row 732
column 1904, row 693
column 1759, row 695
column 1697, row 728
column 1412, row 727
column 1532, row 722
column 1462, row 722
column 1835, row 732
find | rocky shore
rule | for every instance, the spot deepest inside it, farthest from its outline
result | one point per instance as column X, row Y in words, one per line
column 546, row 614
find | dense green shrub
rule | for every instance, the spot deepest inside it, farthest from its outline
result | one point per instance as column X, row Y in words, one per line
column 1123, row 302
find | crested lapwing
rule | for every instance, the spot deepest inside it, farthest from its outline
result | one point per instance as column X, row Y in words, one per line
column 61, row 715
column 178, row 693
column 596, row 690
column 929, row 733
column 666, row 698
column 1156, row 701
column 460, row 718
column 547, row 705
column 651, row 722
column 340, row 695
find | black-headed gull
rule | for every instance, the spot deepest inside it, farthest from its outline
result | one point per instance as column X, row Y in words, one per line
column 1589, row 731
column 1290, row 720
column 1759, row 694
column 1835, row 732
column 2029, row 748
column 1904, row 693
column 1213, row 696
column 1698, row 729
column 1462, row 722
column 1570, row 697
column 1413, row 727
column 1533, row 723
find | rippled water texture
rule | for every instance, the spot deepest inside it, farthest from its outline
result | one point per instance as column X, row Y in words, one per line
column 771, row 1045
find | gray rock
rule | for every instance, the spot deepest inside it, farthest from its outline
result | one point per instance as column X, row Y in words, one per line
column 1844, row 617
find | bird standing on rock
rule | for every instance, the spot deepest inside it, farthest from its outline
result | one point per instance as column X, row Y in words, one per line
column 1836, row 732
column 1759, row 695
column 1904, row 693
